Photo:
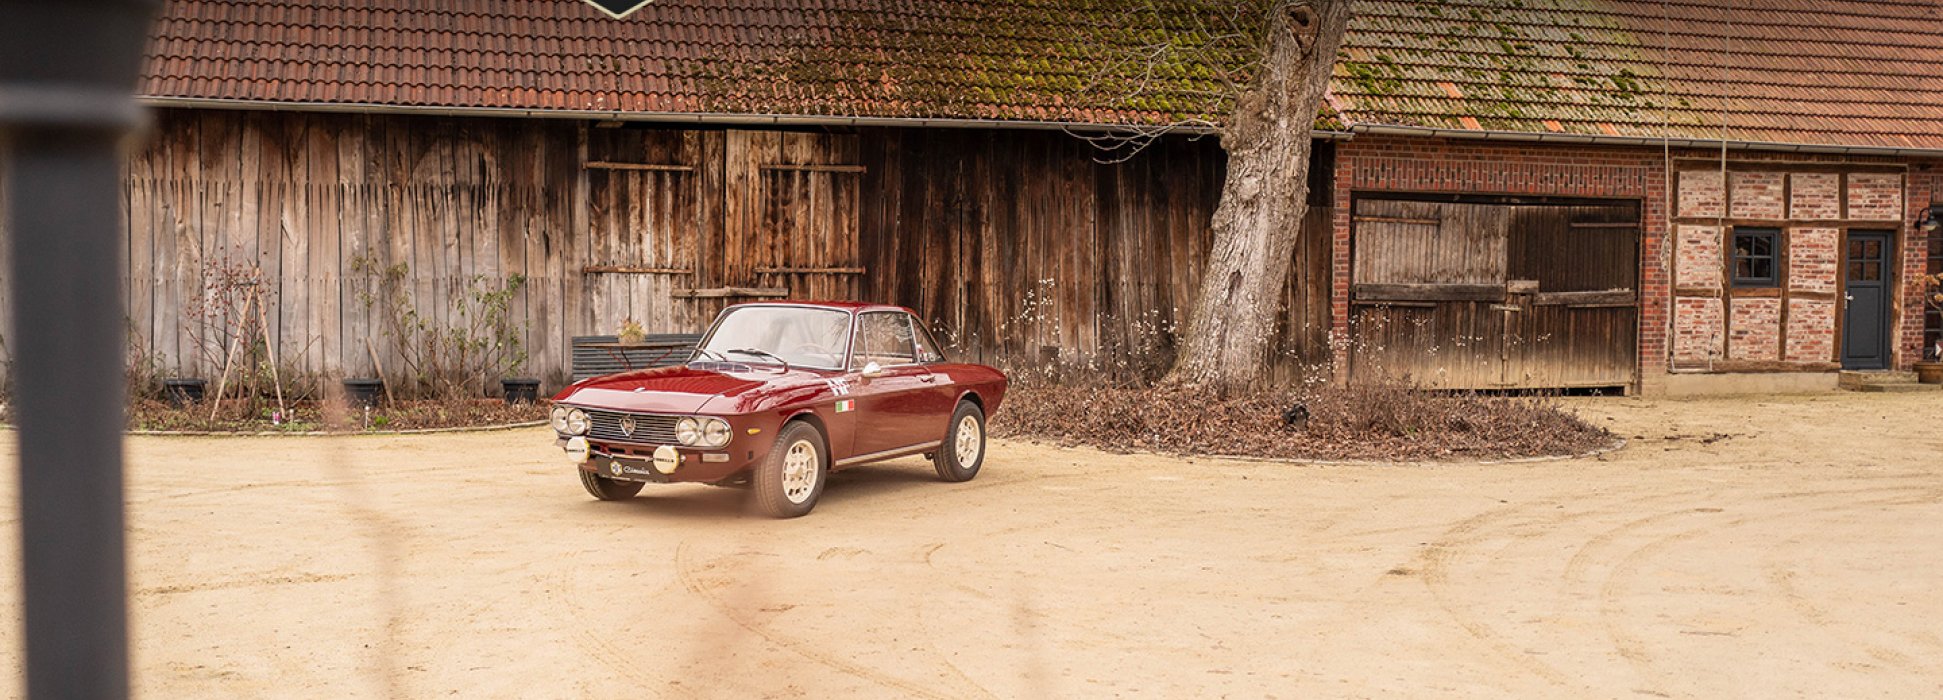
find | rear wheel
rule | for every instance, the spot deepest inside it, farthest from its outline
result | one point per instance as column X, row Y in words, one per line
column 789, row 481
column 607, row 489
column 964, row 449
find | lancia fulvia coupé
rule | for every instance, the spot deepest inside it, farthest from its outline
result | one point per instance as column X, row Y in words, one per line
column 775, row 397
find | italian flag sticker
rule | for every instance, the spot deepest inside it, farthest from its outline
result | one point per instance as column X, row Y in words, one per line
column 846, row 405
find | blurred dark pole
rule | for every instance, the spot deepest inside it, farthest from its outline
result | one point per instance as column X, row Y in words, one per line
column 67, row 73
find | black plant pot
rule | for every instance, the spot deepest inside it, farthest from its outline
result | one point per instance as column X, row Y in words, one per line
column 182, row 392
column 363, row 393
column 521, row 390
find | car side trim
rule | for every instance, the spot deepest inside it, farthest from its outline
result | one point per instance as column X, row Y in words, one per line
column 887, row 454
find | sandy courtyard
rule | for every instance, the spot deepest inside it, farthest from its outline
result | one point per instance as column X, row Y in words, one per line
column 1714, row 557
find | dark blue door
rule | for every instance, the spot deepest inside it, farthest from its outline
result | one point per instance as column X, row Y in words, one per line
column 1865, row 319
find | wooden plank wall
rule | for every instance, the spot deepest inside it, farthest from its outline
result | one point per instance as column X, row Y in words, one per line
column 302, row 196
column 1018, row 244
column 1434, row 303
column 1020, row 247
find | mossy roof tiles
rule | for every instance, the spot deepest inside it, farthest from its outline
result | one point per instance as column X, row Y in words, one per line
column 1824, row 72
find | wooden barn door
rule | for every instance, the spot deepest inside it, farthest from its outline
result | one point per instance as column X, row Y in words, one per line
column 684, row 223
column 1455, row 295
column 790, row 220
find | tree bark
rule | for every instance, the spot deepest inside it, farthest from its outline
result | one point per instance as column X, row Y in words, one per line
column 1231, row 328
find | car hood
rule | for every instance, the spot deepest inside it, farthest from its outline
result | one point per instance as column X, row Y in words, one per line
column 680, row 389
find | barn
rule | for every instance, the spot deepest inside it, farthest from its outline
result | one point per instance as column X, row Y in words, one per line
column 1665, row 197
column 1617, row 194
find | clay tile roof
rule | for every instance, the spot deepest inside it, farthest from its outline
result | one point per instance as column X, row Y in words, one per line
column 1823, row 72
column 944, row 59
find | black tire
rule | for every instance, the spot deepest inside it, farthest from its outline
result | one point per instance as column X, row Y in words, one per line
column 607, row 489
column 948, row 462
column 773, row 495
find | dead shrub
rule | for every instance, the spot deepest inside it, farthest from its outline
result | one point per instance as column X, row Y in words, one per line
column 1384, row 422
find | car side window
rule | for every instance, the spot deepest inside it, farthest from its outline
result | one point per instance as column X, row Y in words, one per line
column 885, row 338
column 928, row 348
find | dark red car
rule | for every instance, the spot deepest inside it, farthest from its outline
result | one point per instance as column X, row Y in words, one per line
column 777, row 396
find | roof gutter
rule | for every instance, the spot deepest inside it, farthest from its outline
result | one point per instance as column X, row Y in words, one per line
column 1599, row 140
column 755, row 120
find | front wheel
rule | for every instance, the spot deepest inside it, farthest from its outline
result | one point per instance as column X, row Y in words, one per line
column 964, row 449
column 789, row 480
column 607, row 489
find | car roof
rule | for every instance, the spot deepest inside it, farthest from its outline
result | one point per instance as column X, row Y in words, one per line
column 851, row 306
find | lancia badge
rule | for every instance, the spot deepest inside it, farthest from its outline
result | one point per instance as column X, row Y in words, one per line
column 627, row 426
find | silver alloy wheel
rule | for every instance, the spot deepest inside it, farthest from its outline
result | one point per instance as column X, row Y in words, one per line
column 800, row 471
column 968, row 442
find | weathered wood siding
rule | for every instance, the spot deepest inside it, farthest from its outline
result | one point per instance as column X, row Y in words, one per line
column 1487, row 295
column 302, row 196
column 1019, row 245
column 1022, row 248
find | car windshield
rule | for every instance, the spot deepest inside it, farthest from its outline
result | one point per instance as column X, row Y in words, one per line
column 798, row 335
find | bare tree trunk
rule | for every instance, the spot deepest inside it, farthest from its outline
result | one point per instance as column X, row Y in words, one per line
column 1232, row 325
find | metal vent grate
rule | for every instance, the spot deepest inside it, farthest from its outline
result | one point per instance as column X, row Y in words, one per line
column 648, row 429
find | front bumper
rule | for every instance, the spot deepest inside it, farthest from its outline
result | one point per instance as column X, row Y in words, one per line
column 636, row 463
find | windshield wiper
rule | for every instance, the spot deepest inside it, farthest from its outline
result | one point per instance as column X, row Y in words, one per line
column 705, row 352
column 758, row 353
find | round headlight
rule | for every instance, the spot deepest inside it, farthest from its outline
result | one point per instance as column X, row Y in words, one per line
column 559, row 419
column 576, row 422
column 715, row 432
column 688, row 431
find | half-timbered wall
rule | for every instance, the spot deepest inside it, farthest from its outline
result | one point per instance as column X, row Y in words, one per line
column 1021, row 246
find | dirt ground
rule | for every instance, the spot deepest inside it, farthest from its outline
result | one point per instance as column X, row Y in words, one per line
column 1715, row 556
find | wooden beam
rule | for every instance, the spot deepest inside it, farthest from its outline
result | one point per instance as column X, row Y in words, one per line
column 1609, row 224
column 811, row 270
column 1429, row 292
column 1707, row 292
column 1397, row 220
column 729, row 292
column 635, row 270
column 815, row 168
column 1607, row 297
column 1756, row 366
column 654, row 167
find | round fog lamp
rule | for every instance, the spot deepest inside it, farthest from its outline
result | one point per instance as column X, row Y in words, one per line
column 688, row 431
column 715, row 433
column 666, row 459
column 577, row 450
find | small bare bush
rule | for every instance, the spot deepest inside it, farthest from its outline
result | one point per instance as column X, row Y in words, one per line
column 477, row 342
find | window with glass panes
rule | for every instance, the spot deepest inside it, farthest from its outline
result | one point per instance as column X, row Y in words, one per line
column 1755, row 257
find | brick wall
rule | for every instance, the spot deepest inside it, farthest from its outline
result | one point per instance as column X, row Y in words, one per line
column 1815, row 196
column 1875, row 196
column 1697, row 329
column 1697, row 258
column 1702, row 194
column 1812, row 257
column 1754, row 329
column 1756, row 195
column 1811, row 330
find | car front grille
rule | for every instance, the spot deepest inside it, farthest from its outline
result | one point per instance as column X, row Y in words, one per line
column 648, row 428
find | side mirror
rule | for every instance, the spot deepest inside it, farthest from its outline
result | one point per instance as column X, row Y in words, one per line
column 872, row 370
